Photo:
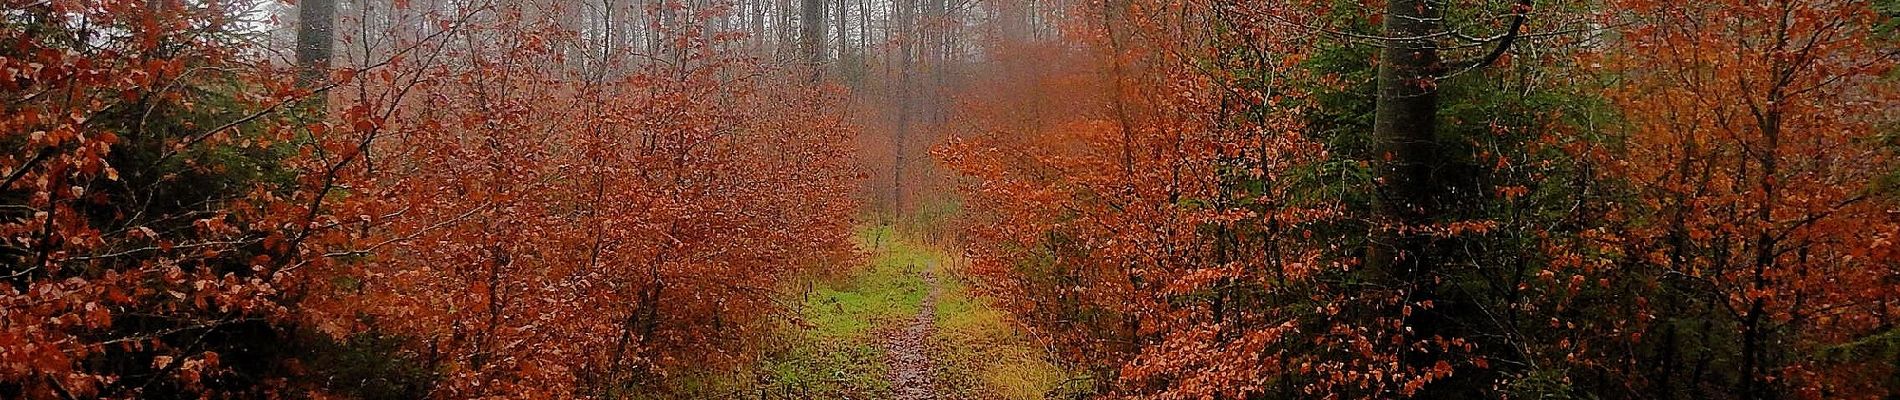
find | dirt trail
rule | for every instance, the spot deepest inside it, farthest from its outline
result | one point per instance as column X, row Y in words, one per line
column 908, row 348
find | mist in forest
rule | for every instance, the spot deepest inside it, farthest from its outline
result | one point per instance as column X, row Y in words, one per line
column 949, row 199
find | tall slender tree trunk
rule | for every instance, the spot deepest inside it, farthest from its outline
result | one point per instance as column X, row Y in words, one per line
column 844, row 39
column 905, row 27
column 782, row 27
column 938, row 28
column 864, row 35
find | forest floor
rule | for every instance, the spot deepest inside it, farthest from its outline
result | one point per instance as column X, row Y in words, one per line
column 904, row 325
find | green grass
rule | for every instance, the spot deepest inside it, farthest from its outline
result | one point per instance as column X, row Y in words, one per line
column 834, row 352
column 981, row 355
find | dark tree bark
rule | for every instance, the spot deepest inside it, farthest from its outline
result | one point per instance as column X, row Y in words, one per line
column 812, row 35
column 1409, row 195
column 1402, row 133
column 316, row 40
column 1404, row 124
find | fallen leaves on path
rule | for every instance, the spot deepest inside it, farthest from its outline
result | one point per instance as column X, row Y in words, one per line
column 907, row 349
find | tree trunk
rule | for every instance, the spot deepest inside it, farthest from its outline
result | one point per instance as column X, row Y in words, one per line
column 906, row 24
column 1404, row 150
column 864, row 36
column 844, row 39
column 316, row 39
column 939, row 41
column 812, row 26
column 1402, row 132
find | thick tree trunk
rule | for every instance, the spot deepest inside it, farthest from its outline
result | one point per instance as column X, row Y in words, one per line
column 812, row 35
column 1404, row 147
column 316, row 39
column 758, row 26
column 1402, row 132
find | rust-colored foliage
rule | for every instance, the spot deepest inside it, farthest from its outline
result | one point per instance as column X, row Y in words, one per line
column 1136, row 210
column 1187, row 199
column 535, row 227
column 523, row 219
column 1755, row 140
column 1163, row 207
column 132, row 260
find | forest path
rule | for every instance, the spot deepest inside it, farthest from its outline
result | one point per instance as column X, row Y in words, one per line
column 906, row 324
column 907, row 350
